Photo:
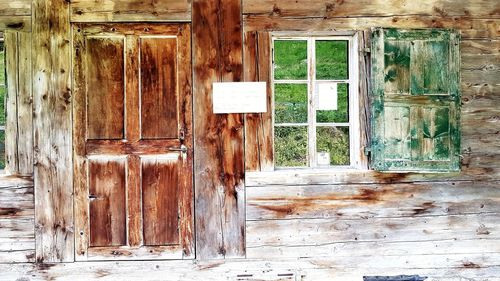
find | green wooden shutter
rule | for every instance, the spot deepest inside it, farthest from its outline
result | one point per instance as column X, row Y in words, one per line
column 416, row 100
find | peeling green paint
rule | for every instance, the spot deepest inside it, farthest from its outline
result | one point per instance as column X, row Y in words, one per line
column 417, row 70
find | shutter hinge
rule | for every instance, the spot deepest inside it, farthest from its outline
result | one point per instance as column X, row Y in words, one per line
column 368, row 151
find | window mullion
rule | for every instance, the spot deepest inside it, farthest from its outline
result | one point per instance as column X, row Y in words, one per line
column 311, row 101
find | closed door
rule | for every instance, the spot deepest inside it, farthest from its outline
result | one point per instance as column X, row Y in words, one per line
column 132, row 141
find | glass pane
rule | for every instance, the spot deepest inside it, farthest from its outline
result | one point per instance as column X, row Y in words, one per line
column 335, row 141
column 331, row 60
column 290, row 146
column 290, row 60
column 342, row 112
column 290, row 103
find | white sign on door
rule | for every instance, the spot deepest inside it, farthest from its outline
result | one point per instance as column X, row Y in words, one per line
column 239, row 97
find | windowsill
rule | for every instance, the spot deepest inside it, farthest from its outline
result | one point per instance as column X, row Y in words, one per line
column 333, row 176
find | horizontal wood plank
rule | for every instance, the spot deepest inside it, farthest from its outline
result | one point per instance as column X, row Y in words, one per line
column 376, row 200
column 15, row 7
column 123, row 147
column 126, row 10
column 474, row 267
column 15, row 23
column 469, row 27
column 360, row 8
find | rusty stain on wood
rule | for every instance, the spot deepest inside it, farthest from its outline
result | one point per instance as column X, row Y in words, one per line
column 219, row 166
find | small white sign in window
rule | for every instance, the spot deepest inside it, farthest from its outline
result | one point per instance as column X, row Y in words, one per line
column 239, row 97
column 323, row 159
column 327, row 96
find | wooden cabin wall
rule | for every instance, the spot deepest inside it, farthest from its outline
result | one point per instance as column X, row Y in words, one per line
column 376, row 217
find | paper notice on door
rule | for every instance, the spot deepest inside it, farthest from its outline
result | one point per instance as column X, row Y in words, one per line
column 327, row 96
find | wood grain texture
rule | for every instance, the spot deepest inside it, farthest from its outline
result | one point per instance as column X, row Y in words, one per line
column 219, row 163
column 447, row 267
column 159, row 116
column 12, row 82
column 52, row 130
column 469, row 27
column 352, row 8
column 17, row 233
column 15, row 8
column 126, row 10
column 107, row 202
column 25, row 107
column 258, row 126
column 20, row 23
column 19, row 125
column 105, row 64
column 160, row 191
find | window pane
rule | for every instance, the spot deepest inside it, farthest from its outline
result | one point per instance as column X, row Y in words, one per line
column 290, row 103
column 335, row 141
column 331, row 60
column 290, row 146
column 342, row 112
column 290, row 60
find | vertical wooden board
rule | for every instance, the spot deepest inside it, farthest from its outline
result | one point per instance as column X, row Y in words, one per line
column 397, row 67
column 53, row 175
column 429, row 67
column 107, row 202
column 258, row 126
column 25, row 106
column 159, row 88
column 160, row 189
column 397, row 133
column 12, row 83
column 105, row 87
column 219, row 163
column 252, row 120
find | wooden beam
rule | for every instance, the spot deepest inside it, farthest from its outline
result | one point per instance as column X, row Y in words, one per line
column 52, row 129
column 130, row 10
column 219, row 164
column 370, row 8
column 15, row 23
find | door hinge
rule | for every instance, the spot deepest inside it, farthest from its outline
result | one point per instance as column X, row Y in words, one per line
column 368, row 151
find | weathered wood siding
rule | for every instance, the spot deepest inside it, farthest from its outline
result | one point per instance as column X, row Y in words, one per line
column 19, row 109
column 219, row 151
column 53, row 178
column 17, row 211
column 15, row 14
column 127, row 11
column 370, row 217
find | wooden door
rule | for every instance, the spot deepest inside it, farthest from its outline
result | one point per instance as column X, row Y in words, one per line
column 132, row 139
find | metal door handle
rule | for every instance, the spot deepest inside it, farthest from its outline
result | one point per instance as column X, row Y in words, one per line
column 182, row 149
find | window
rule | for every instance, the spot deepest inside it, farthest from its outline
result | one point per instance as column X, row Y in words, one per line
column 316, row 108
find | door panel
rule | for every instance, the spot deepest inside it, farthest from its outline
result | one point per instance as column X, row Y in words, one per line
column 133, row 168
column 158, row 87
column 160, row 182
column 105, row 87
column 107, row 202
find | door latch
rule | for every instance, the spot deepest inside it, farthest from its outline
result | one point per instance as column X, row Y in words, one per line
column 182, row 149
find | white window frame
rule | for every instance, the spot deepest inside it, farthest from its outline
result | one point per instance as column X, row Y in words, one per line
column 354, row 106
